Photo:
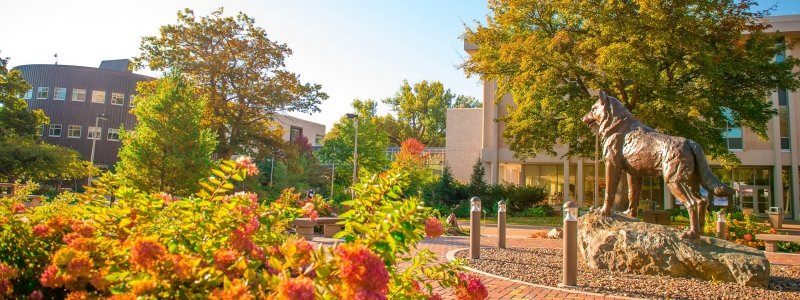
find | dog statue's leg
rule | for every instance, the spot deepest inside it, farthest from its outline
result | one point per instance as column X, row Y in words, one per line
column 702, row 205
column 679, row 192
column 634, row 190
column 613, row 173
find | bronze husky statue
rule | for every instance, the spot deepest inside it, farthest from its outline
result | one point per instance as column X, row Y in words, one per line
column 637, row 150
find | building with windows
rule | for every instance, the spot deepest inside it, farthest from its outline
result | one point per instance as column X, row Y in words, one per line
column 294, row 127
column 74, row 96
column 767, row 177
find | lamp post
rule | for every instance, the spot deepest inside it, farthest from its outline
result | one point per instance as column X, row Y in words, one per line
column 570, row 254
column 355, row 148
column 94, row 142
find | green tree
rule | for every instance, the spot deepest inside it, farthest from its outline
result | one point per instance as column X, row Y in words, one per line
column 168, row 151
column 239, row 70
column 477, row 183
column 372, row 142
column 677, row 65
column 447, row 190
column 463, row 101
column 421, row 112
column 23, row 156
column 296, row 167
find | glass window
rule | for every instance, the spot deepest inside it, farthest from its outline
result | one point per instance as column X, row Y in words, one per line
column 55, row 130
column 94, row 133
column 733, row 133
column 117, row 98
column 130, row 103
column 294, row 133
column 783, row 119
column 42, row 93
column 318, row 139
column 59, row 93
column 78, row 95
column 74, row 131
column 98, row 97
column 113, row 134
column 28, row 94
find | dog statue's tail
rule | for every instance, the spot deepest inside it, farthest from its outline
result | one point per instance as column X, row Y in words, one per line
column 708, row 179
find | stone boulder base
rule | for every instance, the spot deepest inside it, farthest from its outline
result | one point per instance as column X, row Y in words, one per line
column 624, row 244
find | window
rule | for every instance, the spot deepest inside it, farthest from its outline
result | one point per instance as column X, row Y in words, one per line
column 55, row 130
column 42, row 93
column 783, row 119
column 733, row 133
column 28, row 94
column 131, row 100
column 74, row 131
column 78, row 95
column 94, row 133
column 318, row 140
column 59, row 93
column 98, row 97
column 294, row 133
column 113, row 134
column 117, row 98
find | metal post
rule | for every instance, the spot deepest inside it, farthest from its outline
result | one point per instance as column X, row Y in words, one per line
column 501, row 224
column 271, row 169
column 94, row 142
column 570, row 258
column 722, row 225
column 355, row 154
column 475, row 228
column 333, row 173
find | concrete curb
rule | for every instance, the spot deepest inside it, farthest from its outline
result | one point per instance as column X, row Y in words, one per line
column 451, row 255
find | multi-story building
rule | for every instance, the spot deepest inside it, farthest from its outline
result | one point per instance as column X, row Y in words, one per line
column 294, row 127
column 767, row 177
column 76, row 98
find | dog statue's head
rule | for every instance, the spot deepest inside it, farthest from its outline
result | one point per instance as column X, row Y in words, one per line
column 606, row 111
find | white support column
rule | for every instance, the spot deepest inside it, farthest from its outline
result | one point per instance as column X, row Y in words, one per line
column 777, row 175
column 795, row 154
column 667, row 197
column 579, row 183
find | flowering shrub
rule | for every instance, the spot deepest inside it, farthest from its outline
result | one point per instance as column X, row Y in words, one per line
column 316, row 203
column 741, row 230
column 216, row 244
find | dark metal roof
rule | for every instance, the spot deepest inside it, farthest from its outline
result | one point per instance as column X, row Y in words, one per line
column 116, row 65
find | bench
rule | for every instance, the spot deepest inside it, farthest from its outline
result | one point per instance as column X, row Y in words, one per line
column 771, row 239
column 657, row 217
column 305, row 226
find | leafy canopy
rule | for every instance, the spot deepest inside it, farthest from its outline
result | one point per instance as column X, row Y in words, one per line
column 168, row 138
column 677, row 65
column 239, row 70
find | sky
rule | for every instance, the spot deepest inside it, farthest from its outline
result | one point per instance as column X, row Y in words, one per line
column 354, row 49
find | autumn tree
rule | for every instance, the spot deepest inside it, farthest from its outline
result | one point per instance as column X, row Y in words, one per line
column 372, row 142
column 294, row 166
column 239, row 70
column 421, row 112
column 23, row 155
column 411, row 160
column 168, row 150
column 677, row 65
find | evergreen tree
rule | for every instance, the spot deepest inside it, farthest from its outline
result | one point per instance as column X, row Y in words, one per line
column 168, row 151
column 445, row 191
column 477, row 183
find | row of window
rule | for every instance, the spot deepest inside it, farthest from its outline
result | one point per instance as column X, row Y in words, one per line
column 74, row 131
column 60, row 93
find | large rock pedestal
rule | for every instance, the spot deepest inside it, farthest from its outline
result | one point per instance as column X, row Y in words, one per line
column 624, row 244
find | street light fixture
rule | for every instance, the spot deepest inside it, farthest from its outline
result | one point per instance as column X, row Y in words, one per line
column 355, row 148
column 96, row 135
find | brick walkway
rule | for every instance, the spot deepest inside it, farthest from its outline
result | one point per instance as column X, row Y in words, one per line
column 500, row 288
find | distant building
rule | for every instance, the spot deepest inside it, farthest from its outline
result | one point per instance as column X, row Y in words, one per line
column 294, row 127
column 74, row 96
column 768, row 176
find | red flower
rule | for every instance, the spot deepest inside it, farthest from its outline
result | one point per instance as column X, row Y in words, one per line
column 363, row 273
column 435, row 296
column 6, row 288
column 748, row 237
column 50, row 277
column 300, row 288
column 79, row 265
column 167, row 198
column 18, row 208
column 470, row 287
column 41, row 230
column 69, row 237
column 83, row 229
column 36, row 295
column 245, row 162
column 7, row 272
column 224, row 259
column 146, row 252
column 308, row 210
column 181, row 267
column 433, row 228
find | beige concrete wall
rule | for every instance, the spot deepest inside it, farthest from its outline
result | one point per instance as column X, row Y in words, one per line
column 463, row 140
column 311, row 130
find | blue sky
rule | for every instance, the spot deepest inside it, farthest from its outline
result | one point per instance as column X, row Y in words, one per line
column 354, row 49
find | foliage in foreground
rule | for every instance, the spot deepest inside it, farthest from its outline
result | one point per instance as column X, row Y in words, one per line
column 218, row 245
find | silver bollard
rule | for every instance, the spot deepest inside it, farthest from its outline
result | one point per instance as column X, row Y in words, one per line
column 475, row 228
column 570, row 258
column 722, row 226
column 501, row 224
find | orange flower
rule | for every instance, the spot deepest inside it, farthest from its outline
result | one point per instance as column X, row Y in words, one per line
column 433, row 228
column 80, row 265
column 18, row 208
column 144, row 287
column 470, row 287
column 224, row 259
column 41, row 230
column 147, row 252
column 363, row 273
column 50, row 277
column 181, row 267
column 234, row 291
column 80, row 295
column 300, row 288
